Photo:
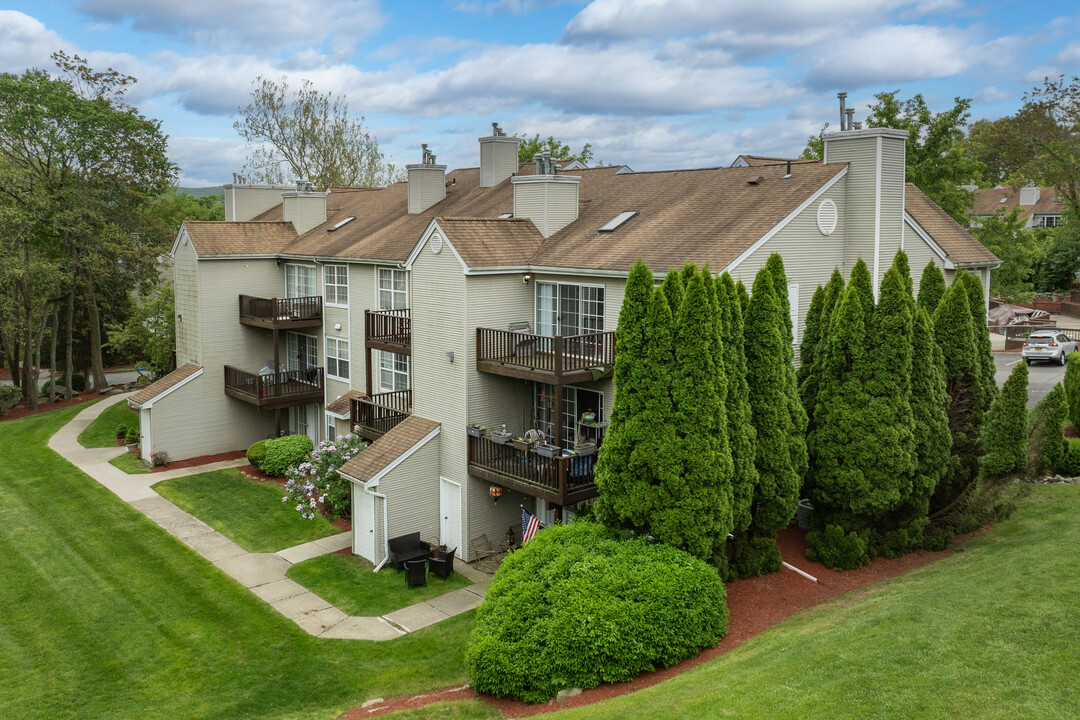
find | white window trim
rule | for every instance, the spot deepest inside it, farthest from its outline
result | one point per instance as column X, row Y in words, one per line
column 326, row 302
column 408, row 300
column 556, row 283
column 379, row 368
column 793, row 306
column 314, row 279
column 326, row 356
column 289, row 358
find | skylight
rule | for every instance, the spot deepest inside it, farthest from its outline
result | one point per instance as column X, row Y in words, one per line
column 341, row 224
column 618, row 220
column 504, row 216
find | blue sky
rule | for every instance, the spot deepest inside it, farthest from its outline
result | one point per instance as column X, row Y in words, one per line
column 650, row 83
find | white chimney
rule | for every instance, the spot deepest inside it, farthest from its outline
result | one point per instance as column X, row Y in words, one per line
column 303, row 207
column 550, row 201
column 498, row 157
column 1029, row 194
column 427, row 183
column 243, row 201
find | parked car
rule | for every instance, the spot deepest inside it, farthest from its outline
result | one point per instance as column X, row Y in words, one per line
column 1048, row 345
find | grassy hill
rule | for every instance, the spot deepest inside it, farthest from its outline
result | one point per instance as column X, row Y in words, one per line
column 203, row 191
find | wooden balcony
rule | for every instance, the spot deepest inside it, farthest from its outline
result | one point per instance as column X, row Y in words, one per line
column 555, row 359
column 380, row 413
column 281, row 313
column 562, row 481
column 274, row 391
column 389, row 330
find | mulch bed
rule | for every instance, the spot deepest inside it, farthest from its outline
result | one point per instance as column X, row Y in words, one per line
column 755, row 604
column 201, row 460
column 21, row 411
column 1070, row 431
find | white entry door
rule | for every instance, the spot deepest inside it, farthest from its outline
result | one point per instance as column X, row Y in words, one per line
column 450, row 514
column 364, row 523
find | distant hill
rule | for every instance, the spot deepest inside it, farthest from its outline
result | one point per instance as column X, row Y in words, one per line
column 203, row 191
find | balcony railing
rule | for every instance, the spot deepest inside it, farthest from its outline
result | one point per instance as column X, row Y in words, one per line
column 275, row 390
column 389, row 330
column 281, row 312
column 550, row 358
column 561, row 480
column 381, row 413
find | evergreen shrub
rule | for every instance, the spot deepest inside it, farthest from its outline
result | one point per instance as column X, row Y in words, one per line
column 836, row 548
column 256, row 454
column 1072, row 388
column 286, row 452
column 578, row 606
column 9, row 397
column 121, row 430
column 1046, row 446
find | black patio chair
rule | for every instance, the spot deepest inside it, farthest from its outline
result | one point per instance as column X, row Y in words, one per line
column 416, row 572
column 443, row 566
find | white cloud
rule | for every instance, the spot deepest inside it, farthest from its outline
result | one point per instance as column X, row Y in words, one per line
column 206, row 161
column 1069, row 56
column 992, row 94
column 265, row 26
column 25, row 42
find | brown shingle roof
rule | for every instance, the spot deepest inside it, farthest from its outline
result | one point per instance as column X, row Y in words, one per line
column 157, row 387
column 239, row 238
column 760, row 160
column 988, row 201
column 377, row 456
column 343, row 405
column 958, row 243
column 490, row 242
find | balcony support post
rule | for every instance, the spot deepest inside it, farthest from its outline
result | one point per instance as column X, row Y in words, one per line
column 557, row 420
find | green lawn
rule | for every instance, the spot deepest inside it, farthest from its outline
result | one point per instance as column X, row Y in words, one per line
column 105, row 615
column 248, row 512
column 102, row 431
column 130, row 463
column 348, row 583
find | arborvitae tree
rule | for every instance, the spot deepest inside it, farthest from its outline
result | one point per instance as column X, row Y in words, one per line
column 813, row 345
column 904, row 530
column 1004, row 432
column 981, row 331
column 742, row 437
column 931, row 288
column 1046, row 444
column 689, row 270
column 630, row 375
column 775, row 266
column 952, row 332
column 694, row 512
column 629, row 499
column 772, row 392
column 1072, row 388
column 864, row 286
column 841, row 492
column 900, row 262
column 743, row 295
column 673, row 290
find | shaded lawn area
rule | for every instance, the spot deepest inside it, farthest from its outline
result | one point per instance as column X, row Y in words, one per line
column 248, row 512
column 348, row 583
column 102, row 431
column 130, row 463
column 105, row 615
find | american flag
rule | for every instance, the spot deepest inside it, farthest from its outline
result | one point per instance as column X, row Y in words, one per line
column 530, row 525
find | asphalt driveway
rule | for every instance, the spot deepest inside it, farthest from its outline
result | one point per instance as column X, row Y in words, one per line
column 1042, row 376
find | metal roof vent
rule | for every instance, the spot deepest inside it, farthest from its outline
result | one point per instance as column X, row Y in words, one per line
column 341, row 224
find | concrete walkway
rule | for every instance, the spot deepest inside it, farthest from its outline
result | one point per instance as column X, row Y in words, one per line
column 262, row 573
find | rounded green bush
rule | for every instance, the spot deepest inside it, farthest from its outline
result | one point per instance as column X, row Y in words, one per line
column 121, row 430
column 838, row 549
column 577, row 606
column 286, row 452
column 256, row 454
column 9, row 397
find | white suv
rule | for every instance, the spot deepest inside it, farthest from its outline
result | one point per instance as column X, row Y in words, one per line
column 1048, row 345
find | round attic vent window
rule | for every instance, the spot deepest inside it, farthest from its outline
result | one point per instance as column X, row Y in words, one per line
column 826, row 216
column 436, row 243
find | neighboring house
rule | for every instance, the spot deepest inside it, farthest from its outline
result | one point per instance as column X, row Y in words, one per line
column 490, row 296
column 1039, row 206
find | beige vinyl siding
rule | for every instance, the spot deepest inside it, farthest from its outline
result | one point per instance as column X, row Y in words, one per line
column 200, row 419
column 427, row 186
column 186, row 288
column 412, row 496
column 892, row 201
column 304, row 210
column 244, row 203
column 550, row 205
column 919, row 255
column 857, row 215
column 498, row 161
column 438, row 385
column 809, row 257
column 362, row 296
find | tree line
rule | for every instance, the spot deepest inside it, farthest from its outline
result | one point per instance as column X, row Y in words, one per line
column 892, row 426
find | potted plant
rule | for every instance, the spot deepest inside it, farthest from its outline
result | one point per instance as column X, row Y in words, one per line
column 588, row 417
column 547, row 450
column 132, row 439
column 523, row 444
column 585, row 448
column 475, row 430
column 500, row 437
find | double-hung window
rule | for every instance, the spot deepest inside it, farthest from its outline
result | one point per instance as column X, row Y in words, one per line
column 336, row 284
column 337, row 358
column 393, row 289
column 299, row 281
column 393, row 372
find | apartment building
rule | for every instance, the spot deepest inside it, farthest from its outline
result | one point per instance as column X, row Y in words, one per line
column 489, row 296
column 1040, row 207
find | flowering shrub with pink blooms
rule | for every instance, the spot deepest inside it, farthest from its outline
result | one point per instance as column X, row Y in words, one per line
column 317, row 482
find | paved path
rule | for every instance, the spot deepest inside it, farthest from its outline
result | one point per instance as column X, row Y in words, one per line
column 262, row 573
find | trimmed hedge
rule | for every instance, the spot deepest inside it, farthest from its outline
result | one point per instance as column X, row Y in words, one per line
column 9, row 397
column 77, row 385
column 577, row 607
column 256, row 454
column 285, row 452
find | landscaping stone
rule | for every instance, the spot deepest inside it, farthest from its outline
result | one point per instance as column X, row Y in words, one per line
column 372, row 702
column 564, row 695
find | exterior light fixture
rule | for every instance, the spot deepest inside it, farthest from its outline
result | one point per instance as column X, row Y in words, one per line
column 526, row 278
column 495, row 492
column 450, row 355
